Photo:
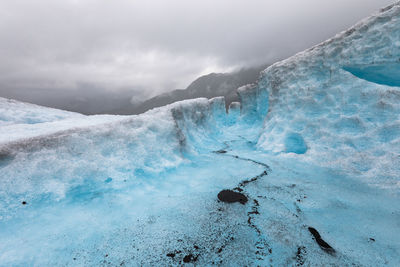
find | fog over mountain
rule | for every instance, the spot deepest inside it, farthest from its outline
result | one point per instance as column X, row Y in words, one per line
column 96, row 56
column 209, row 86
column 93, row 100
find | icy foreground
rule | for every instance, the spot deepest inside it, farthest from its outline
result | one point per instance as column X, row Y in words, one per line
column 315, row 143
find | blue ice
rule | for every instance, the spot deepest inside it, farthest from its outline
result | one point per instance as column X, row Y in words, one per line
column 294, row 142
column 142, row 190
column 386, row 74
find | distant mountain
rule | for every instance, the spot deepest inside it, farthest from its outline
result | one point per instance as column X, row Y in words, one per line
column 89, row 100
column 84, row 99
column 209, row 86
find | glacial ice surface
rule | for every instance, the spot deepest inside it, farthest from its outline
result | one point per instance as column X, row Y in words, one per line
column 314, row 144
column 15, row 112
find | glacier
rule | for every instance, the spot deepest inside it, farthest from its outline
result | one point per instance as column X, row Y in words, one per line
column 314, row 145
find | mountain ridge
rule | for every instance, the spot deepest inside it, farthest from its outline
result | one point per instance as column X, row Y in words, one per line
column 208, row 86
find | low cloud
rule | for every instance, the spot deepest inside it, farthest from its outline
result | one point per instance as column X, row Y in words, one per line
column 149, row 47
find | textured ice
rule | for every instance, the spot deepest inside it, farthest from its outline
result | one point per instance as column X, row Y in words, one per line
column 336, row 96
column 387, row 74
column 15, row 112
column 314, row 144
column 294, row 142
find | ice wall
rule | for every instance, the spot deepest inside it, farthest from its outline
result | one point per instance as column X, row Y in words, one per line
column 341, row 101
column 330, row 104
column 128, row 148
column 101, row 190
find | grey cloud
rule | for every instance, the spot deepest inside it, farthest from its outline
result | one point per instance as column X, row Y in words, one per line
column 148, row 47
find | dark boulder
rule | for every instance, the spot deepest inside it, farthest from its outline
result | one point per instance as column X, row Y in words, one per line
column 230, row 196
column 323, row 245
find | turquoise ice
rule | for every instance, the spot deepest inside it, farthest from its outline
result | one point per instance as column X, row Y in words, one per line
column 314, row 143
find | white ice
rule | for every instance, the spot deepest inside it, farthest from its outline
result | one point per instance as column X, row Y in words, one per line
column 314, row 143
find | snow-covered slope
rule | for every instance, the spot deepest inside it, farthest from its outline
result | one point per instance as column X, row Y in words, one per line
column 314, row 146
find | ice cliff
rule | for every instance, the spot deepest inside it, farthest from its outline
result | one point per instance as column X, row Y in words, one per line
column 342, row 97
column 313, row 146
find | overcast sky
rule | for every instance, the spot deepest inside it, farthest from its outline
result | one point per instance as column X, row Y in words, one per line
column 152, row 46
